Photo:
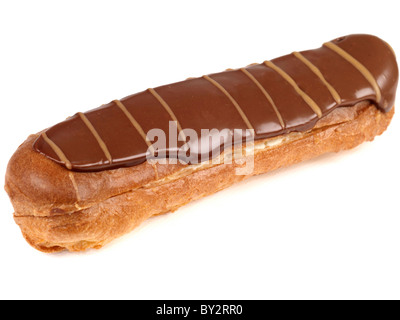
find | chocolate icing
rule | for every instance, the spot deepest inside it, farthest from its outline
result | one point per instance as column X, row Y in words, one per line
column 286, row 94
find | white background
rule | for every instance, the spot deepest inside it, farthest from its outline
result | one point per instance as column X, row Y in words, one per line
column 324, row 229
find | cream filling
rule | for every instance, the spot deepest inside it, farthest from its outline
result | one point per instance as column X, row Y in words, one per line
column 230, row 156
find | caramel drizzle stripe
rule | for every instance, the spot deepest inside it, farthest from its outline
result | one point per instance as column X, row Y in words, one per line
column 75, row 185
column 266, row 94
column 319, row 74
column 57, row 151
column 136, row 124
column 97, row 136
column 170, row 112
column 358, row 65
column 300, row 92
column 238, row 108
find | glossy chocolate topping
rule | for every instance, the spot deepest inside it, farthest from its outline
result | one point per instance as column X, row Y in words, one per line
column 285, row 94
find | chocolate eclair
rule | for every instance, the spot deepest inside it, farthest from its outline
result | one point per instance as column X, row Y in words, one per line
column 99, row 174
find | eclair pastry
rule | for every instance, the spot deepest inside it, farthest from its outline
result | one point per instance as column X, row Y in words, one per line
column 88, row 180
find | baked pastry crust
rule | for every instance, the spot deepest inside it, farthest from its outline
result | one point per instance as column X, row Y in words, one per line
column 59, row 209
